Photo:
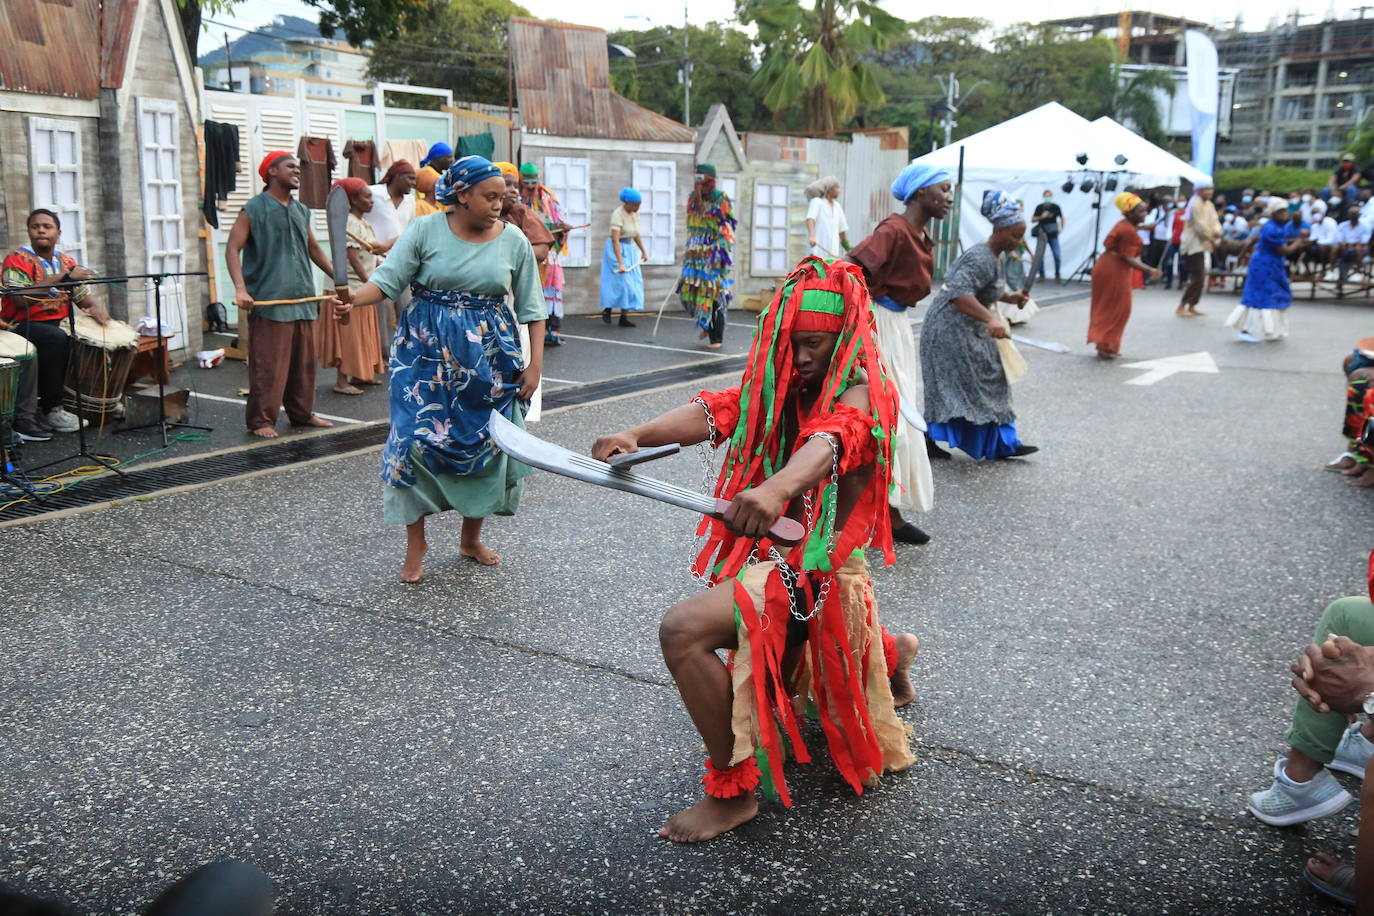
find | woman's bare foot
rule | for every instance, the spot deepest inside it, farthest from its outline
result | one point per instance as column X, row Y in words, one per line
column 709, row 818
column 1355, row 470
column 713, row 346
column 320, row 422
column 413, row 570
column 1323, row 865
column 1194, row 313
column 1363, row 481
column 264, row 432
column 1343, row 463
column 479, row 553
column 903, row 691
column 1181, row 312
column 346, row 389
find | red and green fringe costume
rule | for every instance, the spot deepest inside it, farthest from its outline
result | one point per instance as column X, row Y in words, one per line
column 706, row 259
column 844, row 673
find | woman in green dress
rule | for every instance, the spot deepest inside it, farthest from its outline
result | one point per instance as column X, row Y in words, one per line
column 455, row 358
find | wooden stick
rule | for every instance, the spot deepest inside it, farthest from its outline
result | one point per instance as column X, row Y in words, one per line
column 662, row 305
column 293, row 301
column 363, row 242
column 571, row 228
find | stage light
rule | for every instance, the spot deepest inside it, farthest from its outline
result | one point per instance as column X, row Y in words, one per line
column 1120, row 159
column 1086, row 186
column 1082, row 158
column 1110, row 184
column 1068, row 186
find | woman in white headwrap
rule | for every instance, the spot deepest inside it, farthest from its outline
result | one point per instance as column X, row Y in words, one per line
column 826, row 227
column 1263, row 310
column 898, row 261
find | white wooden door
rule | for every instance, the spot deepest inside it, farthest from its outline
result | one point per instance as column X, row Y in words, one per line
column 570, row 179
column 656, row 180
column 769, row 239
column 55, row 169
column 163, row 220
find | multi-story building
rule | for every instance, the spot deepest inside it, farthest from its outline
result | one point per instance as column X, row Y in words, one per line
column 1302, row 89
column 276, row 58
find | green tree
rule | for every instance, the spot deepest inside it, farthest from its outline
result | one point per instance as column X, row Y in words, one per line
column 450, row 44
column 1129, row 97
column 907, row 73
column 722, row 60
column 1361, row 141
column 817, row 60
column 360, row 20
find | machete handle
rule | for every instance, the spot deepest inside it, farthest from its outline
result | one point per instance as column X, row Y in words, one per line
column 343, row 293
column 785, row 531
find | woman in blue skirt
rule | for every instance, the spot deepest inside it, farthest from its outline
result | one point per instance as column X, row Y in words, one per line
column 1263, row 310
column 622, row 281
column 455, row 358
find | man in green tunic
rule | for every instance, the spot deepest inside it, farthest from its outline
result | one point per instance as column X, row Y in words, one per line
column 273, row 233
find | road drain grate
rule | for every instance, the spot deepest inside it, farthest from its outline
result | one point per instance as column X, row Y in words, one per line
column 211, row 468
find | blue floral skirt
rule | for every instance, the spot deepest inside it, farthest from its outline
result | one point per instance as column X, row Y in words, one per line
column 455, row 358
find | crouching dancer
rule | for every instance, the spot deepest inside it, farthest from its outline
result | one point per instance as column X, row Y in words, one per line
column 808, row 434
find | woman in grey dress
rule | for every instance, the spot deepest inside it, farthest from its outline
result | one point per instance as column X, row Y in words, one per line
column 967, row 398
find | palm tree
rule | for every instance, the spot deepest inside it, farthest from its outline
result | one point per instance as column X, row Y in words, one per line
column 1130, row 97
column 814, row 59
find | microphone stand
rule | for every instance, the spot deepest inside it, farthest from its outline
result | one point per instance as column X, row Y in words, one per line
column 162, row 422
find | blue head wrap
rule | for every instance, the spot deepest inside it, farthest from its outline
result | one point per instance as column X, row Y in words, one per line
column 917, row 176
column 439, row 149
column 630, row 196
column 1001, row 210
column 464, row 173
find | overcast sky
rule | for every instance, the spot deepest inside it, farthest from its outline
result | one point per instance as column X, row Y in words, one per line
column 1257, row 13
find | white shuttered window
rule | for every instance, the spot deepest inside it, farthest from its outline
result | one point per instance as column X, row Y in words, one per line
column 163, row 226
column 570, row 179
column 656, row 180
column 55, row 168
column 769, row 239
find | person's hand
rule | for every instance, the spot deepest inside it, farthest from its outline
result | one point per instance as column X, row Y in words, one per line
column 378, row 248
column 997, row 329
column 1156, row 273
column 80, row 273
column 1337, row 675
column 341, row 302
column 241, row 298
column 812, row 243
column 529, row 381
column 621, row 443
column 753, row 512
column 1020, row 297
column 101, row 316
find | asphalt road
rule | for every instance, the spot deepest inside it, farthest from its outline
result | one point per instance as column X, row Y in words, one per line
column 235, row 671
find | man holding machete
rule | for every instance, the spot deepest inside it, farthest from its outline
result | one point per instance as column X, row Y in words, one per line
column 809, row 435
column 273, row 234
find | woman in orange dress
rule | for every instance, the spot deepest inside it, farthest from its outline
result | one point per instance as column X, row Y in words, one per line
column 354, row 349
column 1111, row 296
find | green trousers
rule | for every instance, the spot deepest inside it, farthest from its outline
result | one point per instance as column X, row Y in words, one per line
column 1314, row 733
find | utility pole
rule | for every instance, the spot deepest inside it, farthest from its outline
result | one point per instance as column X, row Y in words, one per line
column 952, row 102
column 686, row 72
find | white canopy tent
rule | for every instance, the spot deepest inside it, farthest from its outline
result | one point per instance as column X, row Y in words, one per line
column 1037, row 151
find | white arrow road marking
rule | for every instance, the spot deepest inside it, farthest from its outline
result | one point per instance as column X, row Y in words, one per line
column 1170, row 365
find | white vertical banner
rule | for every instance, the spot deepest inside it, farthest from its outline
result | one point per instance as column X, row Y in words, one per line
column 1203, row 94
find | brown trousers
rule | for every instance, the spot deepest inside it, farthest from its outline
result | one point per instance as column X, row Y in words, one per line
column 281, row 371
column 1197, row 276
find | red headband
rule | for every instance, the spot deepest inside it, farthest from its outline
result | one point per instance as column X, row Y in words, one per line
column 270, row 160
column 818, row 321
column 351, row 186
column 399, row 167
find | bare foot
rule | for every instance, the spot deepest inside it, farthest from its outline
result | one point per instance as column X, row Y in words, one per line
column 1323, row 866
column 1194, row 313
column 316, row 421
column 413, row 570
column 713, row 346
column 346, row 389
column 1363, row 481
column 709, row 818
column 903, row 691
column 1181, row 312
column 479, row 553
column 264, row 432
column 1106, row 354
column 1355, row 470
column 1343, row 463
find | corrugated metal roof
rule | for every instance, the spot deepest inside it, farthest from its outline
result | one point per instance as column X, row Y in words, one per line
column 563, row 87
column 47, row 45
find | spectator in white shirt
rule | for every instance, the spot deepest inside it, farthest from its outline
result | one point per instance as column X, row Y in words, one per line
column 1322, row 237
column 393, row 207
column 1156, row 230
column 1352, row 243
column 826, row 227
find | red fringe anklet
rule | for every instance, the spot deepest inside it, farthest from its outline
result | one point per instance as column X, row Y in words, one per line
column 731, row 782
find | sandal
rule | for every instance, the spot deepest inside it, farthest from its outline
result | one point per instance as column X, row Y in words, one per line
column 1340, row 886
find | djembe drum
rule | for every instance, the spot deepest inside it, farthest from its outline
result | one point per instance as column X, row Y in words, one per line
column 19, row 351
column 9, row 389
column 98, row 365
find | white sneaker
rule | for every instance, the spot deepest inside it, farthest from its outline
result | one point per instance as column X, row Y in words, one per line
column 62, row 421
column 1247, row 337
column 1353, row 753
column 1287, row 802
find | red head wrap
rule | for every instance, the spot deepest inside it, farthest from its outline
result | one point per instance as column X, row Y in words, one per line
column 270, row 160
column 351, row 186
column 399, row 167
column 821, row 309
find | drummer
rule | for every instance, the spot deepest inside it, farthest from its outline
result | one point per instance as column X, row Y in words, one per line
column 39, row 316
